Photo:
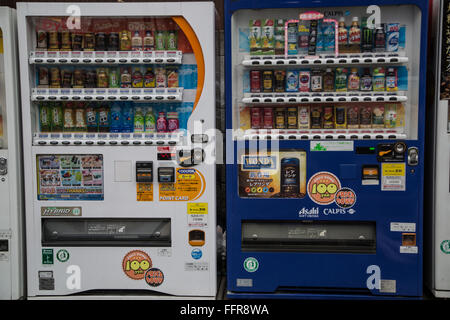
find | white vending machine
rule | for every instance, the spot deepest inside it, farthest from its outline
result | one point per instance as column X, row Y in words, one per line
column 119, row 115
column 11, row 194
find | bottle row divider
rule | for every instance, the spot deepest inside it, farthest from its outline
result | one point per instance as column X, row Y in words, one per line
column 333, row 134
column 109, row 94
column 324, row 97
column 107, row 138
column 361, row 59
column 105, row 57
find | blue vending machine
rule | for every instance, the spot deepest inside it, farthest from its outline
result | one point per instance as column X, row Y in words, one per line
column 325, row 113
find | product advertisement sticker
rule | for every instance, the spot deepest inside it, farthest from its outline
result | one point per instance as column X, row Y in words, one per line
column 154, row 277
column 189, row 185
column 273, row 175
column 331, row 146
column 144, row 191
column 393, row 177
column 70, row 177
column 61, row 211
column 47, row 256
column 322, row 187
column 345, row 198
column 136, row 263
column 197, row 214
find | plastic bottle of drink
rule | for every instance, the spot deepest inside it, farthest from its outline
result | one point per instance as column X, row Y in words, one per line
column 342, row 36
column 136, row 42
column 380, row 39
column 139, row 121
column 44, row 117
column 92, row 117
column 173, row 124
column 127, row 120
column 114, row 78
column 353, row 80
column 57, row 117
column 116, row 118
column 354, row 38
column 150, row 122
column 104, row 118
column 161, row 123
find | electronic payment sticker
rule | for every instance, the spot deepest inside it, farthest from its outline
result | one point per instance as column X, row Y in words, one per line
column 197, row 214
column 393, row 177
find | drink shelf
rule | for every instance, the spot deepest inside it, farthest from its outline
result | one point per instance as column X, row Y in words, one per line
column 321, row 134
column 106, row 139
column 105, row 57
column 108, row 94
column 324, row 97
column 325, row 60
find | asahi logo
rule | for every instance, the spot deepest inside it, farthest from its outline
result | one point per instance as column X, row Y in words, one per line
column 304, row 212
column 60, row 211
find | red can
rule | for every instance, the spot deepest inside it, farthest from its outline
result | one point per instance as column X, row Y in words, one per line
column 256, row 117
column 255, row 81
column 268, row 118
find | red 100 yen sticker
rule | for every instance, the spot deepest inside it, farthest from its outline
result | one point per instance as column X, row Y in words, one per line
column 154, row 277
column 322, row 187
column 345, row 198
column 136, row 263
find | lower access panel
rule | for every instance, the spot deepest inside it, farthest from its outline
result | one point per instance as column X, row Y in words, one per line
column 307, row 222
column 113, row 222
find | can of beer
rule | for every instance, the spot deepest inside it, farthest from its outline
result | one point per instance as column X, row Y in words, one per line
column 255, row 81
column 352, row 117
column 255, row 115
column 303, row 117
column 268, row 81
column 340, row 117
column 365, row 117
column 55, row 78
column 292, row 116
column 280, row 118
column 292, row 81
column 290, row 176
column 41, row 40
column 78, row 78
column 280, row 80
column 89, row 41
column 268, row 118
column 304, row 81
column 328, row 117
column 66, row 79
column 53, row 41
column 113, row 41
column 392, row 36
column 77, row 42
column 66, row 41
column 316, row 117
column 100, row 41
